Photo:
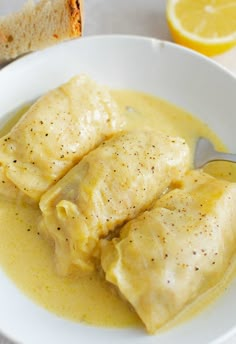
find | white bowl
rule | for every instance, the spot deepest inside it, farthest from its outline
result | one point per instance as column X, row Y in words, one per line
column 178, row 75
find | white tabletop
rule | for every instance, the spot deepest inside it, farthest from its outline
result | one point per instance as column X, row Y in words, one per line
column 140, row 17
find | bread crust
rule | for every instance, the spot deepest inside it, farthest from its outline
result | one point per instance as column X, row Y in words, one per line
column 76, row 14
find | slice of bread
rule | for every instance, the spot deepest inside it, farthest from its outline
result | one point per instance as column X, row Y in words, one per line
column 39, row 25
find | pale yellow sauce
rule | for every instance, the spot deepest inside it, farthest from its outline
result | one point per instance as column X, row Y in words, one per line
column 28, row 259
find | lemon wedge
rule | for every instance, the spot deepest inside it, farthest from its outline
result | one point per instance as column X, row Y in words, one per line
column 208, row 26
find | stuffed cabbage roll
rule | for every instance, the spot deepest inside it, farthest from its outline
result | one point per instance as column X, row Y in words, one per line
column 55, row 133
column 110, row 185
column 168, row 256
column 9, row 191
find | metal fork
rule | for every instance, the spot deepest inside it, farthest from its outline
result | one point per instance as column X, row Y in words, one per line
column 205, row 153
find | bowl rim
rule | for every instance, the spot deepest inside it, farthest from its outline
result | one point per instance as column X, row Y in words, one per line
column 32, row 55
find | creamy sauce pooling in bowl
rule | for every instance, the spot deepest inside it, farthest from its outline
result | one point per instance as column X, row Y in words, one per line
column 28, row 259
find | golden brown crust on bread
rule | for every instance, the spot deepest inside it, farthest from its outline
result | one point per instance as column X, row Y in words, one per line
column 76, row 13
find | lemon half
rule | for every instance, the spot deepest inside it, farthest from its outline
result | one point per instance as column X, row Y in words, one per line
column 208, row 26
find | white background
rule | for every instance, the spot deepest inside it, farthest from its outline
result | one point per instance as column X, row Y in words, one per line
column 141, row 17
